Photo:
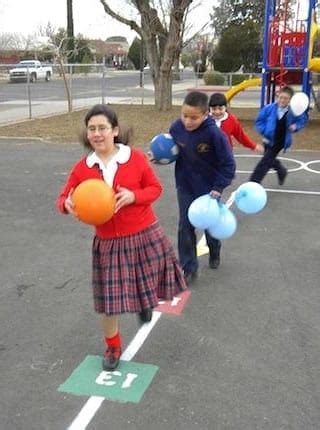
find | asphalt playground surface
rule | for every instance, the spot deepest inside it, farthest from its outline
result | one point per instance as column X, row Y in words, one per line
column 243, row 355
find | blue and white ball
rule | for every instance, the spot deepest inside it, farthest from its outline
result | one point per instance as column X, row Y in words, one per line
column 163, row 149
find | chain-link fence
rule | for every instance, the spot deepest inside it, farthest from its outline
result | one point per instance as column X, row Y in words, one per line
column 31, row 92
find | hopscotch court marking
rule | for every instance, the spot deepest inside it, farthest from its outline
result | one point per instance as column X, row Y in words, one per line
column 176, row 305
column 126, row 384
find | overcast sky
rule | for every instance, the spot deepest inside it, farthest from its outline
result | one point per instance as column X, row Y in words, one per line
column 90, row 19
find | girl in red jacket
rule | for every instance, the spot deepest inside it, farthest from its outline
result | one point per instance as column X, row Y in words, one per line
column 229, row 123
column 133, row 261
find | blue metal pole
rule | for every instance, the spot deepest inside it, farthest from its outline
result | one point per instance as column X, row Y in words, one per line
column 266, row 43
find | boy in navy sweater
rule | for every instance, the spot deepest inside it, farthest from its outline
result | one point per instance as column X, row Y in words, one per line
column 205, row 164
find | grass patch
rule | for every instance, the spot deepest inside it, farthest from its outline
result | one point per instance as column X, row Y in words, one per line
column 146, row 122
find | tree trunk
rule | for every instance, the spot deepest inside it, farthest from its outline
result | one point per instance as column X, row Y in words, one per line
column 163, row 44
column 176, row 69
column 163, row 91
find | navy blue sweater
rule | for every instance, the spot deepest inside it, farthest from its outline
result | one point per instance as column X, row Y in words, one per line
column 205, row 161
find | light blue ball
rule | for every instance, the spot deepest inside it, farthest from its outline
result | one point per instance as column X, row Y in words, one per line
column 204, row 212
column 227, row 225
column 163, row 149
column 250, row 197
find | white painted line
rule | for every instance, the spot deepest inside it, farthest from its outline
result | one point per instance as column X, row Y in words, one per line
column 275, row 190
column 87, row 413
column 230, row 200
column 92, row 405
column 140, row 337
column 301, row 165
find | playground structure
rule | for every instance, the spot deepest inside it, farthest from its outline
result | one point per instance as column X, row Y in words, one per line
column 288, row 44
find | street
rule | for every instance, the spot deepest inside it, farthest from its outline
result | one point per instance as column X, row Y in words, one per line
column 86, row 90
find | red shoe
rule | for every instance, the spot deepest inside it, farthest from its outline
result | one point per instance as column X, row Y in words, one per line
column 111, row 358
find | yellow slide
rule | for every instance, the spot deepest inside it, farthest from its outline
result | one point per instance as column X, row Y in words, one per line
column 314, row 63
column 255, row 82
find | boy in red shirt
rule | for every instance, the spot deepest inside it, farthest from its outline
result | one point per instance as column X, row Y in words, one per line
column 229, row 123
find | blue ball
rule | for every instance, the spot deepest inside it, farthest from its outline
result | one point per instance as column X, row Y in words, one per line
column 227, row 225
column 163, row 149
column 251, row 197
column 204, row 212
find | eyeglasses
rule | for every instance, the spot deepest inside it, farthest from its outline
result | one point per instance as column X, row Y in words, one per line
column 100, row 129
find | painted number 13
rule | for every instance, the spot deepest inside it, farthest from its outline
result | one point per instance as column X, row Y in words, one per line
column 105, row 378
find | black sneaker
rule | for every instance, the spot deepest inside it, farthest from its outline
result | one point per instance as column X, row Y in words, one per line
column 282, row 177
column 145, row 315
column 190, row 277
column 214, row 263
column 111, row 358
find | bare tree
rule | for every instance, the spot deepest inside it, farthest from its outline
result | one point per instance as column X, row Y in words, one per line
column 187, row 34
column 12, row 41
column 161, row 38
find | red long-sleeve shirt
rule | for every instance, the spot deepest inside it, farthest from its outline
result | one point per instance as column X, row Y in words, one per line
column 232, row 128
column 137, row 175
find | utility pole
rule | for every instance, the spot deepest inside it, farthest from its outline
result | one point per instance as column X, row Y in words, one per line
column 70, row 32
column 141, row 63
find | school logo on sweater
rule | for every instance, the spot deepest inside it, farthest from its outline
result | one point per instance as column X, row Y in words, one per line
column 203, row 147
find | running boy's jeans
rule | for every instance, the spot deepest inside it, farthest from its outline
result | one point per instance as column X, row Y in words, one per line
column 187, row 240
column 267, row 162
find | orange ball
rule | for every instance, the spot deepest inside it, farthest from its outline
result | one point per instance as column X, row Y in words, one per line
column 94, row 201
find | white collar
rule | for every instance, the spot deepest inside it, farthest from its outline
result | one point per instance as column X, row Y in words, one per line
column 219, row 121
column 109, row 171
column 122, row 156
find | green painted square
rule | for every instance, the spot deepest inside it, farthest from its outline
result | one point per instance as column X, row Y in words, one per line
column 125, row 384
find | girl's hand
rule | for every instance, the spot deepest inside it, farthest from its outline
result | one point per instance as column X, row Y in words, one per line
column 68, row 204
column 124, row 197
column 259, row 148
column 293, row 127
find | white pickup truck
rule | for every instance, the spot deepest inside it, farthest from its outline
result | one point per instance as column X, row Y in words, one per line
column 34, row 67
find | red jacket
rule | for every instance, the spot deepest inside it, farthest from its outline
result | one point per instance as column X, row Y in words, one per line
column 138, row 176
column 232, row 127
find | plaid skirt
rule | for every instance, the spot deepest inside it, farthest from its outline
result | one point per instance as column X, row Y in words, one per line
column 131, row 272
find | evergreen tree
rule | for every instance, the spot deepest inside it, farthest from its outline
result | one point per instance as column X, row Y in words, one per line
column 239, row 45
column 237, row 12
column 134, row 53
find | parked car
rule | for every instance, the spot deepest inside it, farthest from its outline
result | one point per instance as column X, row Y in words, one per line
column 34, row 67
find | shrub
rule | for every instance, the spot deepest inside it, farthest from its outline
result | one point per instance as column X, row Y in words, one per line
column 213, row 78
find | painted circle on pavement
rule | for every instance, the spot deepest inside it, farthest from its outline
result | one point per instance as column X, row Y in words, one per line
column 312, row 170
column 301, row 164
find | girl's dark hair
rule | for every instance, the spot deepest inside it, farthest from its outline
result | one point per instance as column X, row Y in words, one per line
column 217, row 99
column 197, row 99
column 125, row 134
column 104, row 110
